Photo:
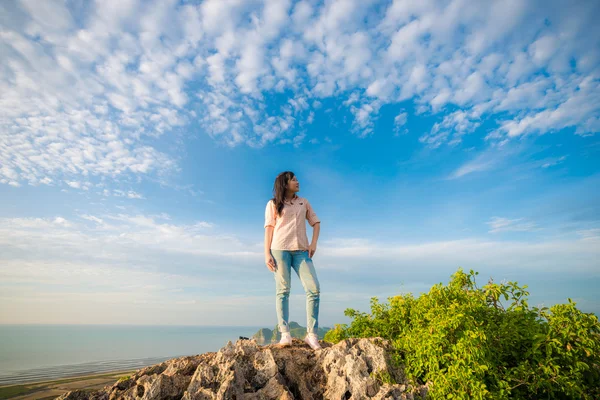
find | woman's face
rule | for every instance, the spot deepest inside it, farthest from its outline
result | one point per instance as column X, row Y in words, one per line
column 293, row 184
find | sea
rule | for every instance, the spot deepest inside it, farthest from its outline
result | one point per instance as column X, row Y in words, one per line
column 32, row 353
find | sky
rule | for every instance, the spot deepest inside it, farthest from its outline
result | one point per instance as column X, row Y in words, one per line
column 140, row 140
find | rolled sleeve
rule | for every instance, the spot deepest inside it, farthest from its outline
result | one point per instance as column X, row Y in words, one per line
column 311, row 216
column 270, row 214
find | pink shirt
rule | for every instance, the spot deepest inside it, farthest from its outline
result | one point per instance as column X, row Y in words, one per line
column 290, row 227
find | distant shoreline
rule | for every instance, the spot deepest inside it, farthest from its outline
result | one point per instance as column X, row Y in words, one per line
column 59, row 372
column 70, row 378
column 48, row 389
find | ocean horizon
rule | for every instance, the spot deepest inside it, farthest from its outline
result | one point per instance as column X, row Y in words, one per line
column 39, row 352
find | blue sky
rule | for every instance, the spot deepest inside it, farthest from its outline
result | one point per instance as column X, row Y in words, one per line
column 140, row 141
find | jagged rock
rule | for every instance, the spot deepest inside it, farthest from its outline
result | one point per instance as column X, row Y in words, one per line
column 247, row 371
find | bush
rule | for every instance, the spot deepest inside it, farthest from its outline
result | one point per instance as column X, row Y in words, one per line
column 468, row 344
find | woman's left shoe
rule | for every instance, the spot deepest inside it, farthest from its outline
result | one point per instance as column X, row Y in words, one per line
column 313, row 341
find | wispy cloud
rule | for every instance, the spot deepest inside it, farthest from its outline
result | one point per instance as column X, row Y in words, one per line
column 498, row 224
column 454, row 126
column 129, row 261
column 129, row 194
column 553, row 162
column 399, row 122
column 591, row 234
column 487, row 160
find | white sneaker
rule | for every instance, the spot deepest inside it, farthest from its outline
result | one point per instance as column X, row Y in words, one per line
column 313, row 341
column 286, row 339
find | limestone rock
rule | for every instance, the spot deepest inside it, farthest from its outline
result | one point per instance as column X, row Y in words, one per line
column 247, row 371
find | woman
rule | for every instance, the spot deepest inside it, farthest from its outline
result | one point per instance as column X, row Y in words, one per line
column 287, row 247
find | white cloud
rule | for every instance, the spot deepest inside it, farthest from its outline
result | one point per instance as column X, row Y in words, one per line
column 92, row 218
column 61, row 221
column 553, row 162
column 301, row 14
column 129, row 194
column 590, row 234
column 133, row 195
column 298, row 139
column 498, row 224
column 88, row 97
column 485, row 254
column 454, row 125
column 56, row 131
column 400, row 119
column 74, row 185
column 482, row 162
column 123, row 261
column 364, row 117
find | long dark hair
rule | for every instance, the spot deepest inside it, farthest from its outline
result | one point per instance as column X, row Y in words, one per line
column 279, row 188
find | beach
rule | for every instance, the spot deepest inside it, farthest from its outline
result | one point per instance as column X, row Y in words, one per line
column 54, row 388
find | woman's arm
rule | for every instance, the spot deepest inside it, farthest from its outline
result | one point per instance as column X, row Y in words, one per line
column 268, row 239
column 312, row 247
column 316, row 231
column 268, row 257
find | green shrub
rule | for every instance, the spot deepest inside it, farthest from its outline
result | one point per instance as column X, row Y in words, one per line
column 382, row 377
column 468, row 343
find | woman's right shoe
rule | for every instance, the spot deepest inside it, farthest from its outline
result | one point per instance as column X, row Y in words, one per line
column 286, row 339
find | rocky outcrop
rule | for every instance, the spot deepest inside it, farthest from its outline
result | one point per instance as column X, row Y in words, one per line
column 263, row 336
column 352, row 369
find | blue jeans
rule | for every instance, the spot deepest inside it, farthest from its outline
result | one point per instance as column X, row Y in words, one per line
column 285, row 260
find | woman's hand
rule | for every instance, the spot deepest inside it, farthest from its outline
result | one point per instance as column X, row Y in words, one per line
column 311, row 249
column 270, row 262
